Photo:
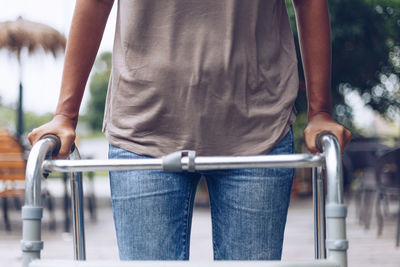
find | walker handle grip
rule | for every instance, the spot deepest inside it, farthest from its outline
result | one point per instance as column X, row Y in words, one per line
column 318, row 141
column 57, row 143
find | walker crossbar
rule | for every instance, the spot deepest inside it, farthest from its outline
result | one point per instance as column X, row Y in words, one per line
column 200, row 163
column 332, row 220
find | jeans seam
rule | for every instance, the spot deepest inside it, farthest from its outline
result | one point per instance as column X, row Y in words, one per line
column 187, row 222
column 291, row 139
column 213, row 227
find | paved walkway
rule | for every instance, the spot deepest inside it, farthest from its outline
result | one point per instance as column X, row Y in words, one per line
column 365, row 248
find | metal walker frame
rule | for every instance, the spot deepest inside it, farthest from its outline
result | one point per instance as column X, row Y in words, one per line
column 329, row 215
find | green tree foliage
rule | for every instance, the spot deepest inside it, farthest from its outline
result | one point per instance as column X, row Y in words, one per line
column 98, row 91
column 365, row 55
column 32, row 120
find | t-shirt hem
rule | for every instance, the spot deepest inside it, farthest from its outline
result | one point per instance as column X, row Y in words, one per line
column 258, row 149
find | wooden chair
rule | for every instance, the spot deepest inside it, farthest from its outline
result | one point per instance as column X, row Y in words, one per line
column 12, row 176
column 12, row 171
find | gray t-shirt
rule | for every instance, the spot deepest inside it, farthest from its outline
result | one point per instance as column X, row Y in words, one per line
column 216, row 76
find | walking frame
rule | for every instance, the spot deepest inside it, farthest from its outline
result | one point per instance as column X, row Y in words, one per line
column 329, row 214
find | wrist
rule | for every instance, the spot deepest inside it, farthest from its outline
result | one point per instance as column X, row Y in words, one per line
column 321, row 113
column 66, row 118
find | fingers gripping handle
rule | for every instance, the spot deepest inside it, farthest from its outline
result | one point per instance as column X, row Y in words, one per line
column 57, row 143
column 318, row 141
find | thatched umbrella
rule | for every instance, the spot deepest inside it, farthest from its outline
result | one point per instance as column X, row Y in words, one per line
column 20, row 34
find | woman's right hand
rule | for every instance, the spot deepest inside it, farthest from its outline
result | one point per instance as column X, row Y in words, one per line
column 61, row 126
column 87, row 27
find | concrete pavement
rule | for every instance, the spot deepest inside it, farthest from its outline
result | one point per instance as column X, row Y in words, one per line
column 365, row 248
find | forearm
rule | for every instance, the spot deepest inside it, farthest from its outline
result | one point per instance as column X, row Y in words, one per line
column 88, row 23
column 314, row 36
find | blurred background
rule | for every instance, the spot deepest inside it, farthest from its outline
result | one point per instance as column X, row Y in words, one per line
column 365, row 92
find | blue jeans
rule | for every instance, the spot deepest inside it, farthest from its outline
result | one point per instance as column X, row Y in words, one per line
column 153, row 210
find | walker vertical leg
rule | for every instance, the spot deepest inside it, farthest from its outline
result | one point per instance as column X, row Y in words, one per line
column 77, row 212
column 319, row 213
column 336, row 210
column 32, row 211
